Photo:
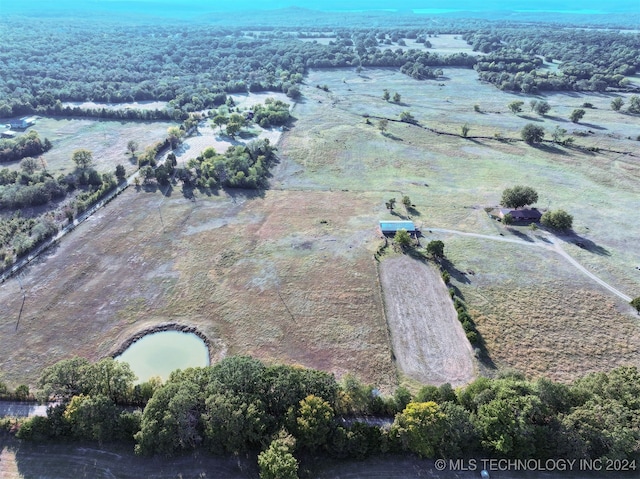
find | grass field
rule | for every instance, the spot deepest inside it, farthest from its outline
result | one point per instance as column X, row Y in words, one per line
column 107, row 139
column 288, row 275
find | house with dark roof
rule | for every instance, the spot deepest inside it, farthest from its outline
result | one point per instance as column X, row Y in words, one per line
column 521, row 215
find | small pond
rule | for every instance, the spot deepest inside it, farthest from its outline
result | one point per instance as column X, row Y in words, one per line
column 157, row 354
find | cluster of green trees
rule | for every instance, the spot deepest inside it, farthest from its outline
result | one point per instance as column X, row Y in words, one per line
column 194, row 68
column 28, row 145
column 591, row 60
column 241, row 405
column 557, row 219
column 272, row 113
column 34, row 186
column 239, row 167
column 20, row 235
column 519, row 196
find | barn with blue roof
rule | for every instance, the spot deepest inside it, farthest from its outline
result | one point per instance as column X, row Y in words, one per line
column 390, row 228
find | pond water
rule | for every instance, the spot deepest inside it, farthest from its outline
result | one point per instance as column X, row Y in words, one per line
column 157, row 354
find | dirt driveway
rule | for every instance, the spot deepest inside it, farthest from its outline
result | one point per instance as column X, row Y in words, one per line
column 428, row 340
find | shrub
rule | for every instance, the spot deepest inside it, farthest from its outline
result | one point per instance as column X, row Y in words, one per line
column 557, row 220
column 532, row 133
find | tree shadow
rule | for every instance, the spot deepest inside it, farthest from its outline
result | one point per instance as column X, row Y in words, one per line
column 168, row 189
column 391, row 136
column 557, row 118
column 399, row 215
column 588, row 245
column 531, row 118
column 149, row 187
column 520, row 235
column 247, row 134
column 244, row 193
column 413, row 212
column 552, row 149
column 543, row 238
column 182, row 149
column 187, row 191
column 455, row 273
column 591, row 125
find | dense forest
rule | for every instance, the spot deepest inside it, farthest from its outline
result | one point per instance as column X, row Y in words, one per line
column 46, row 62
column 241, row 405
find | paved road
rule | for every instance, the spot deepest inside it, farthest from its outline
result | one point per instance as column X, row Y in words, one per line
column 22, row 409
column 549, row 244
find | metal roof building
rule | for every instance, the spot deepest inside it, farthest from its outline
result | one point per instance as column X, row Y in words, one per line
column 391, row 227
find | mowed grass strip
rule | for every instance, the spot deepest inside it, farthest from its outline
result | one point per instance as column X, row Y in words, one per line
column 429, row 343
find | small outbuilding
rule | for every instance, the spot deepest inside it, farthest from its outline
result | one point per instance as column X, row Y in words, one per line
column 524, row 215
column 390, row 228
column 23, row 123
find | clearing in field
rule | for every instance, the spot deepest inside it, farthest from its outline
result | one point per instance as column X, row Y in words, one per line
column 429, row 343
column 107, row 139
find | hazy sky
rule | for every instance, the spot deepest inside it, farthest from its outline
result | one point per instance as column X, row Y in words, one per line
column 218, row 5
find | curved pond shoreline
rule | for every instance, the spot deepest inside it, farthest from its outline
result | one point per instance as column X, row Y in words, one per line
column 181, row 328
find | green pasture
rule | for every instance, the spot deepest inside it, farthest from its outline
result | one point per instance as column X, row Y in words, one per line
column 452, row 179
column 107, row 139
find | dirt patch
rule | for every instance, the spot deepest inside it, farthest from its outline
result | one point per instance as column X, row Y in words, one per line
column 428, row 340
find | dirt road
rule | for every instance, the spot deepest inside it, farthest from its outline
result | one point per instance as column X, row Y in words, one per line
column 549, row 244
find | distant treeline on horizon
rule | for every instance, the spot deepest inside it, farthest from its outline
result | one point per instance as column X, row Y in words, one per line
column 169, row 7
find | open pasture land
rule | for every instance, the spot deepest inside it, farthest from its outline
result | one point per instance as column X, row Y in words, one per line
column 452, row 179
column 442, row 44
column 288, row 277
column 428, row 340
column 107, row 139
column 536, row 313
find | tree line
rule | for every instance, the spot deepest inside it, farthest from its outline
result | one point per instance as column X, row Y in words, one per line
column 288, row 414
column 194, row 67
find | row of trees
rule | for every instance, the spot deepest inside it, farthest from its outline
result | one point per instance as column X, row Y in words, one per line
column 241, row 405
